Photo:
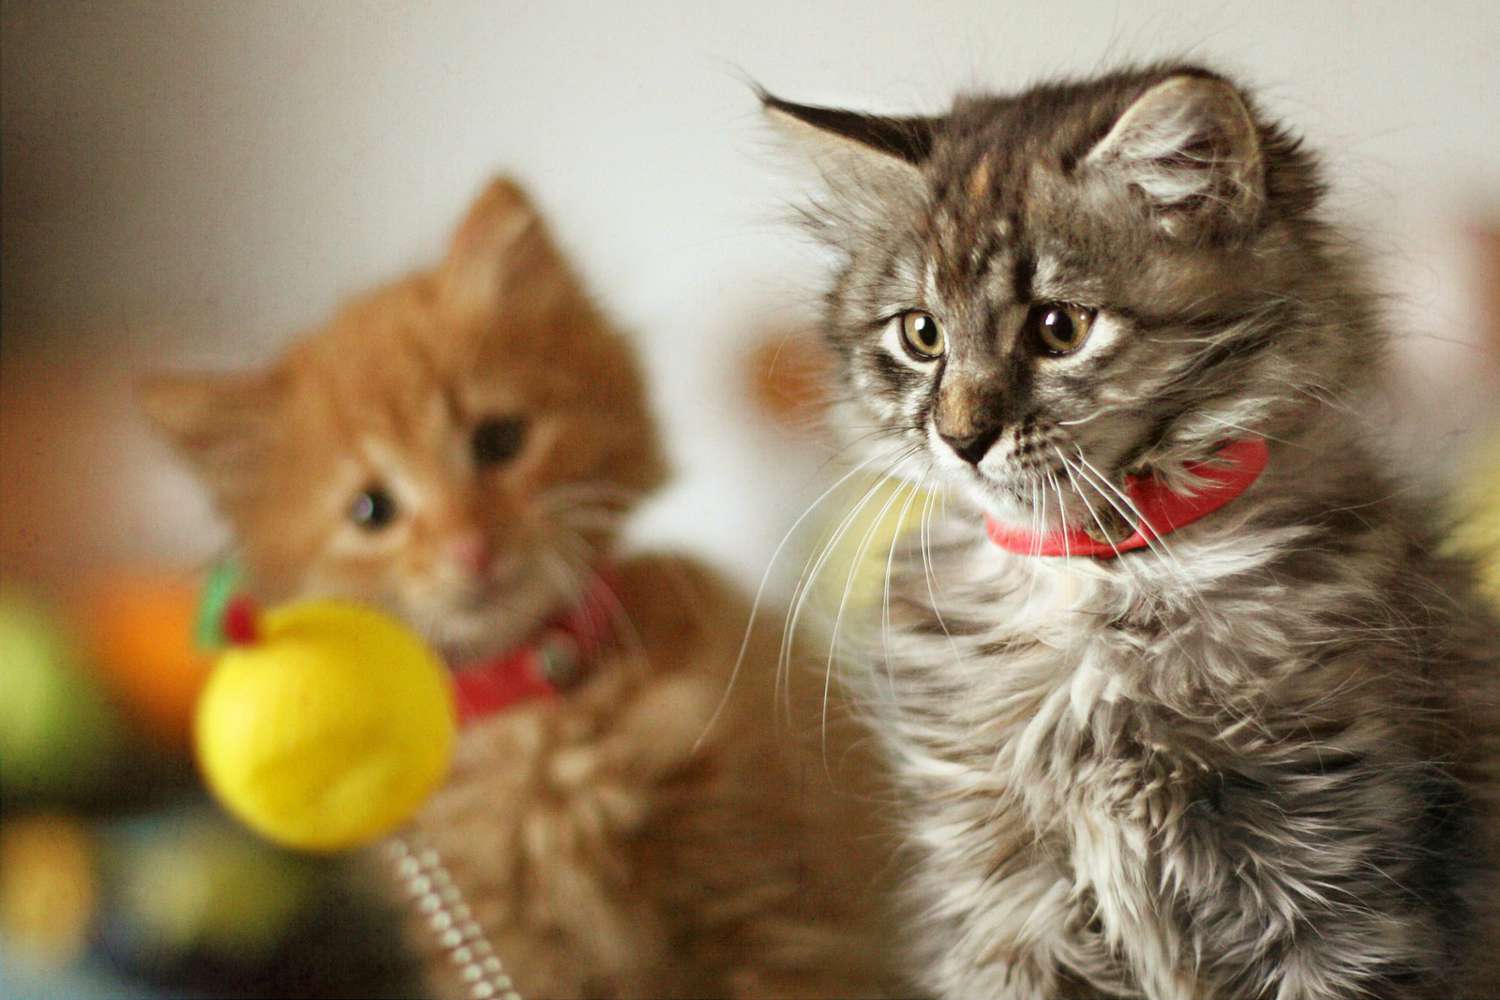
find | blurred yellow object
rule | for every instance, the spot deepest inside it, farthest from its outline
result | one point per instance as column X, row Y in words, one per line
column 1478, row 533
column 189, row 884
column 329, row 729
column 140, row 627
column 48, row 887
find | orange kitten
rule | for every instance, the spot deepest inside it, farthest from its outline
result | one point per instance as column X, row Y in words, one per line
column 460, row 447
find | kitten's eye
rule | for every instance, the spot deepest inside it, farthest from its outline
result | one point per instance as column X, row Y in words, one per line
column 922, row 336
column 498, row 439
column 1060, row 328
column 373, row 509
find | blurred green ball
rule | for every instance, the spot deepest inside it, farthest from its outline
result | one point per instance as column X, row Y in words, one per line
column 58, row 734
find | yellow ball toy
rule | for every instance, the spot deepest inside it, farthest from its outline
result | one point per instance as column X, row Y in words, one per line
column 325, row 726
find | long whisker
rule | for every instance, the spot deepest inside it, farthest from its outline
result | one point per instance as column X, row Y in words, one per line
column 1069, row 468
column 1039, row 525
column 760, row 592
column 1083, row 479
column 855, row 565
column 1129, row 511
column 924, row 525
column 803, row 591
column 1174, row 569
column 1133, row 513
column 1062, row 513
column 885, row 613
column 1101, row 411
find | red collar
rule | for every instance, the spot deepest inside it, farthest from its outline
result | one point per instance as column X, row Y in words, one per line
column 553, row 660
column 1227, row 475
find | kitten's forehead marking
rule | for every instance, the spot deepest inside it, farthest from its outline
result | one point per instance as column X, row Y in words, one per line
column 979, row 178
column 970, row 226
column 983, row 248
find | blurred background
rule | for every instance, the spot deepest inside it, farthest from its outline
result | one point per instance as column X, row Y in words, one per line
column 191, row 185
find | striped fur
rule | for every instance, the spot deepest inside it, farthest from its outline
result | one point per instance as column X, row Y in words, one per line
column 1258, row 760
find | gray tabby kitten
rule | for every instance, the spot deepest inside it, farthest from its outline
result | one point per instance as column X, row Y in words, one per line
column 1255, row 756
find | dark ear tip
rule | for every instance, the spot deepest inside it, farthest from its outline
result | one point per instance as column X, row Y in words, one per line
column 818, row 116
column 770, row 102
column 909, row 139
column 767, row 100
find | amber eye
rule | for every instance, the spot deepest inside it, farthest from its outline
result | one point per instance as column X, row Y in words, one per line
column 497, row 439
column 922, row 336
column 373, row 509
column 1060, row 328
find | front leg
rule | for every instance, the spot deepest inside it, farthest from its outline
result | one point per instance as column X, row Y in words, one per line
column 1001, row 914
column 541, row 826
column 1307, row 871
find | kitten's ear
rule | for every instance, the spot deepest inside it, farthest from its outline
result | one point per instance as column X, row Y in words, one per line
column 501, row 249
column 1191, row 147
column 221, row 423
column 496, row 220
column 869, row 163
column 830, row 133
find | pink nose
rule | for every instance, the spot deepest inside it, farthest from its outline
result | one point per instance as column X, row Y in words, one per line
column 470, row 550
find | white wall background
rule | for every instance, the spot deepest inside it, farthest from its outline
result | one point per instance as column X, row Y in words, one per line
column 194, row 183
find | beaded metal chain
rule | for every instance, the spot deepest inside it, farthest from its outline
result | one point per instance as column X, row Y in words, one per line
column 440, row 902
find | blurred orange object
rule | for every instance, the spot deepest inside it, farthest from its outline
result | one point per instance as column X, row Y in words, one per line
column 140, row 630
column 48, row 887
column 791, row 375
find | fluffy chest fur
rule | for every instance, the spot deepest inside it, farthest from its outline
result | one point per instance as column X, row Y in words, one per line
column 1193, row 775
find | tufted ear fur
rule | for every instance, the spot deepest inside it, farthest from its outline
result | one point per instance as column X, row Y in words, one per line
column 867, row 162
column 1190, row 147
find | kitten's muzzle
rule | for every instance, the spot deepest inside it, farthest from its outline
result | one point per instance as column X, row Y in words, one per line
column 969, row 416
column 972, row 447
